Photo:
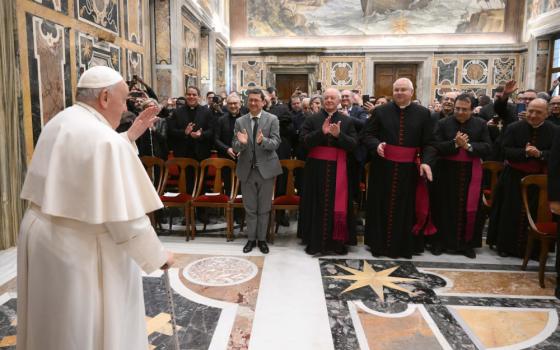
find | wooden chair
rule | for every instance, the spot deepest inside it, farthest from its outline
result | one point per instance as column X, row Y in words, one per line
column 495, row 169
column 543, row 228
column 218, row 199
column 155, row 167
column 289, row 201
column 236, row 203
column 184, row 199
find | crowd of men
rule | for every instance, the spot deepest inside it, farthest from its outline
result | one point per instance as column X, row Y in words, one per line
column 425, row 178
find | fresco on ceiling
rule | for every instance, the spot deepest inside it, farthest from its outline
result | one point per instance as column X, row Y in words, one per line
column 373, row 17
column 536, row 8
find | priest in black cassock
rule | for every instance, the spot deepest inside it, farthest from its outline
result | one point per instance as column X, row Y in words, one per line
column 461, row 141
column 397, row 136
column 326, row 222
column 526, row 147
column 554, row 197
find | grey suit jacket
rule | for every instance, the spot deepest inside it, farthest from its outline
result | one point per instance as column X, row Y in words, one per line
column 267, row 161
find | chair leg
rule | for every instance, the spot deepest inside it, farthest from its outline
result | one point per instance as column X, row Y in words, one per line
column 542, row 260
column 193, row 223
column 187, row 221
column 229, row 229
column 271, row 221
column 528, row 250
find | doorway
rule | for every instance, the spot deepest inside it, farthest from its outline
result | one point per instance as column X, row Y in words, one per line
column 386, row 74
column 286, row 84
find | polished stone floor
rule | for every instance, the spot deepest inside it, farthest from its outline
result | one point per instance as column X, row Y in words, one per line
column 225, row 299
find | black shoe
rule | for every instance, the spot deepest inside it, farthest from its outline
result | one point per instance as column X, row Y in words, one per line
column 342, row 250
column 469, row 253
column 249, row 246
column 263, row 247
column 502, row 254
column 436, row 249
column 557, row 292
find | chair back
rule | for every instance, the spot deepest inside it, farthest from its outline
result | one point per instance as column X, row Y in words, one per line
column 218, row 184
column 155, row 167
column 543, row 211
column 184, row 164
column 291, row 165
column 495, row 169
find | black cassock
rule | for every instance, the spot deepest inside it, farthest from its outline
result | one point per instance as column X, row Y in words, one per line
column 508, row 222
column 452, row 179
column 392, row 185
column 316, row 219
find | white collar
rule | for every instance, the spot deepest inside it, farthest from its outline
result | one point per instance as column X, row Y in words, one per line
column 95, row 113
column 258, row 116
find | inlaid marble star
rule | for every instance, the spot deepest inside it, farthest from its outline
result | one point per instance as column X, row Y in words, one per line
column 376, row 280
column 161, row 323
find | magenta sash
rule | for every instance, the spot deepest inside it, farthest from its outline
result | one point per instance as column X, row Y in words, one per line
column 473, row 195
column 401, row 154
column 532, row 166
column 340, row 225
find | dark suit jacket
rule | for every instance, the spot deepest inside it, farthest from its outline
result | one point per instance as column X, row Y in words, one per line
column 223, row 134
column 187, row 146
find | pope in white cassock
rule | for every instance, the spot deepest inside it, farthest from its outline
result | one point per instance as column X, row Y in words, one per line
column 86, row 235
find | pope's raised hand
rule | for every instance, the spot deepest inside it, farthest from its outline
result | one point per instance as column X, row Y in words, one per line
column 242, row 136
column 145, row 120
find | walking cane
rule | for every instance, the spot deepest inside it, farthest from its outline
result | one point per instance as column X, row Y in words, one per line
column 171, row 308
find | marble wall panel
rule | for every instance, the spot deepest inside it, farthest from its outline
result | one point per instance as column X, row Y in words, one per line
column 49, row 70
column 134, row 21
column 504, row 69
column 475, row 71
column 102, row 14
column 57, row 5
column 220, row 63
column 543, row 57
column 446, row 71
column 342, row 72
column 251, row 75
column 134, row 64
column 162, row 33
column 163, row 83
column 92, row 52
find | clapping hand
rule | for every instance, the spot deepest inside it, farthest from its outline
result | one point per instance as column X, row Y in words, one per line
column 462, row 140
column 145, row 120
column 260, row 137
column 326, row 125
column 242, row 136
column 334, row 129
column 189, row 128
column 532, row 151
column 196, row 134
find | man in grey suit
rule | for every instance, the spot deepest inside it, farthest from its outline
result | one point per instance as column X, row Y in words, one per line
column 256, row 137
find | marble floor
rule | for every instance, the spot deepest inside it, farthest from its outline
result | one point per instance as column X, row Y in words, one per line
column 225, row 299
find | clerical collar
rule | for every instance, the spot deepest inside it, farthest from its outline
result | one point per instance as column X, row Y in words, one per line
column 258, row 116
column 403, row 107
column 95, row 113
column 536, row 127
column 191, row 107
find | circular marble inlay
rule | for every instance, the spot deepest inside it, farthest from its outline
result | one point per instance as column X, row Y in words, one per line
column 220, row 271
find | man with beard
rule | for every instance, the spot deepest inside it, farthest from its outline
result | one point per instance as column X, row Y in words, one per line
column 460, row 141
column 554, row 116
column 326, row 222
column 395, row 136
column 526, row 146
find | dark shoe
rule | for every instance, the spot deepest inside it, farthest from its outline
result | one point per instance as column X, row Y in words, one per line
column 436, row 249
column 263, row 247
column 282, row 219
column 342, row 250
column 249, row 246
column 502, row 254
column 557, row 292
column 469, row 253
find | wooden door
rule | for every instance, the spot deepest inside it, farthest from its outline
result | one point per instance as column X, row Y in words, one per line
column 386, row 74
column 286, row 84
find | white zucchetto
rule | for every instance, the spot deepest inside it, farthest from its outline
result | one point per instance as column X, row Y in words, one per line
column 99, row 77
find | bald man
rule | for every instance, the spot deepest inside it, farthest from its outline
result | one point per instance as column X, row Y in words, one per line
column 326, row 224
column 526, row 145
column 397, row 136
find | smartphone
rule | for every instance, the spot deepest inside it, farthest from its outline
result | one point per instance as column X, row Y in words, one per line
column 521, row 107
column 216, row 99
column 365, row 98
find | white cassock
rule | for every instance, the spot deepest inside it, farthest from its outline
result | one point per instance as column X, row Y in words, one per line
column 85, row 238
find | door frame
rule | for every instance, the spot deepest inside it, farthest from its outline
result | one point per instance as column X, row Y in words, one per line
column 424, row 62
column 309, row 69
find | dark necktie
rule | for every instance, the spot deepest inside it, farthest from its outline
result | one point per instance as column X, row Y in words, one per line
column 255, row 127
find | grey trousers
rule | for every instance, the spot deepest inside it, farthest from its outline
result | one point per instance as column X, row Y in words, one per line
column 257, row 200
